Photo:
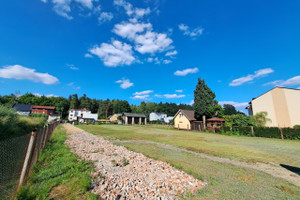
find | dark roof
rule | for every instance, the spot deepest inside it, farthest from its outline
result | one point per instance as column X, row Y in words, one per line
column 189, row 114
column 22, row 107
column 216, row 119
column 133, row 115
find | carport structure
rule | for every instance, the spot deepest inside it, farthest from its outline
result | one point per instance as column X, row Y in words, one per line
column 133, row 118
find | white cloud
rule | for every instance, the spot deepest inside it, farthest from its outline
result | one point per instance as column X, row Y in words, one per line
column 19, row 72
column 172, row 53
column 87, row 55
column 173, row 96
column 48, row 95
column 146, row 41
column 114, row 54
column 250, row 77
column 71, row 84
column 143, row 92
column 140, row 12
column 235, row 104
column 167, row 61
column 130, row 10
column 170, row 96
column 186, row 71
column 191, row 103
column 105, row 17
column 130, row 30
column 294, row 81
column 194, row 33
column 141, row 97
column 125, row 83
column 73, row 67
column 62, row 8
column 85, row 3
column 77, row 88
column 179, row 91
column 151, row 42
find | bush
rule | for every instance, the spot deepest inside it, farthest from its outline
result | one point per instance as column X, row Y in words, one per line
column 39, row 115
column 268, row 132
column 297, row 127
column 13, row 125
column 291, row 133
column 246, row 130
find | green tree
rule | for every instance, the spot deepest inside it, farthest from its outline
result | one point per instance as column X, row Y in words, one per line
column 260, row 119
column 229, row 109
column 203, row 99
column 215, row 110
column 74, row 102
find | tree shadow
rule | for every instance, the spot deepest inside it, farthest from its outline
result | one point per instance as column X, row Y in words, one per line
column 295, row 170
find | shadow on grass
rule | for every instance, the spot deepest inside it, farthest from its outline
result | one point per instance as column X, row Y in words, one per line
column 295, row 170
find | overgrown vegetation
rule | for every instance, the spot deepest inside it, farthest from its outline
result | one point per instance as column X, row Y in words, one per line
column 58, row 174
column 13, row 125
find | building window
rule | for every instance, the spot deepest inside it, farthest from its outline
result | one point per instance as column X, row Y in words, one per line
column 180, row 115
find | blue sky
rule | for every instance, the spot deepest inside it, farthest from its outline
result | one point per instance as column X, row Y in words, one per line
column 149, row 50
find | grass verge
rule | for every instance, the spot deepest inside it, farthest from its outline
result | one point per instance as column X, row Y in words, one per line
column 59, row 174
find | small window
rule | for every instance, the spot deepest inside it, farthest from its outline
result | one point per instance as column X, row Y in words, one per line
column 180, row 115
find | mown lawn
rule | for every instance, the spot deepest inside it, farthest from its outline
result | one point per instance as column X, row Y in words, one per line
column 225, row 181
column 59, row 174
column 242, row 148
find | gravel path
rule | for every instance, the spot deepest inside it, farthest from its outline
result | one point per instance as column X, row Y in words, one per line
column 274, row 170
column 123, row 174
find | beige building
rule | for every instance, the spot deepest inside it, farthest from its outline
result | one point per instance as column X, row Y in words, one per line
column 184, row 119
column 281, row 104
column 114, row 117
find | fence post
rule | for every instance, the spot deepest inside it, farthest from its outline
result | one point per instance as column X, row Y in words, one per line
column 27, row 158
column 281, row 132
column 252, row 130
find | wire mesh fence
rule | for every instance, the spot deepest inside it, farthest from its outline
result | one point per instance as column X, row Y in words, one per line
column 17, row 157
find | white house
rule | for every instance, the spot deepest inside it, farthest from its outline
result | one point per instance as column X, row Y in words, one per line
column 157, row 116
column 75, row 114
column 167, row 119
column 90, row 116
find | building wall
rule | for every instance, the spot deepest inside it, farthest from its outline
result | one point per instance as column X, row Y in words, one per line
column 293, row 104
column 114, row 118
column 73, row 114
column 264, row 103
column 282, row 106
column 157, row 116
column 181, row 123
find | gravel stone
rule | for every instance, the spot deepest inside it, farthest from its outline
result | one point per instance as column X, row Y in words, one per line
column 124, row 174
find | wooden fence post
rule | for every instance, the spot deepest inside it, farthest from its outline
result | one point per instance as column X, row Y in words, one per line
column 27, row 158
column 252, row 130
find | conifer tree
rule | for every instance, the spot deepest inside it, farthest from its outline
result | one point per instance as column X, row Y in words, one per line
column 203, row 99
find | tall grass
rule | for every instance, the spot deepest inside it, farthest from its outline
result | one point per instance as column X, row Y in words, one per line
column 13, row 125
column 58, row 174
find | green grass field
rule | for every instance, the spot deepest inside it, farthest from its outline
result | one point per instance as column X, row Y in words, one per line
column 225, row 181
column 59, row 174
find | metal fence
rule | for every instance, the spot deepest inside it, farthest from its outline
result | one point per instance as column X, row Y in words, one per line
column 17, row 157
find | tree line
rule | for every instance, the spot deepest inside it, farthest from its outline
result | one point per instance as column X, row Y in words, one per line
column 104, row 108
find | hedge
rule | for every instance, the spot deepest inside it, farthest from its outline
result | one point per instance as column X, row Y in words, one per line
column 267, row 132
